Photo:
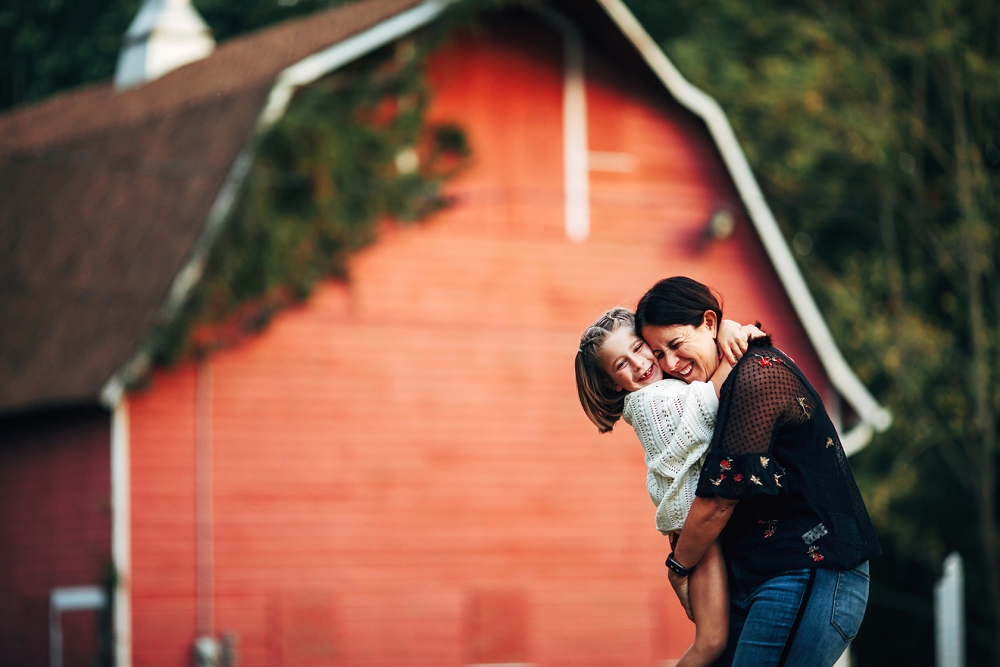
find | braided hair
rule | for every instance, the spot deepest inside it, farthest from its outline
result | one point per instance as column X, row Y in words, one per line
column 602, row 403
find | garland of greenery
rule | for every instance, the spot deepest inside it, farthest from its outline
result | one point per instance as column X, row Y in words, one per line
column 352, row 150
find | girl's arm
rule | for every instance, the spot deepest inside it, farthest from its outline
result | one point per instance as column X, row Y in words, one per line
column 720, row 375
column 733, row 339
column 675, row 402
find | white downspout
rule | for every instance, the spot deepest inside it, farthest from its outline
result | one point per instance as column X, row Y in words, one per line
column 203, row 501
column 121, row 534
column 575, row 157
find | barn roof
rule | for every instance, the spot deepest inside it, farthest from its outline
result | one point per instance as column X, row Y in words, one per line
column 106, row 194
column 112, row 199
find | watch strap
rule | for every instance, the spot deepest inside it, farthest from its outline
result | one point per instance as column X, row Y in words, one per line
column 677, row 567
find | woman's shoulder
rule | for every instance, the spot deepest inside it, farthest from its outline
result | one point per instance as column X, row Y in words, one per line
column 764, row 370
column 761, row 359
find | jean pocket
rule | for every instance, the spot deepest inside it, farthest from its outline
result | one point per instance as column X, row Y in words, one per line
column 850, row 600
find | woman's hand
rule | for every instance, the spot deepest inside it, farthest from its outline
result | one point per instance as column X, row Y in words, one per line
column 680, row 586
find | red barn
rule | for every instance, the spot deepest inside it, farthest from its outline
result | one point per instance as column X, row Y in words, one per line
column 398, row 471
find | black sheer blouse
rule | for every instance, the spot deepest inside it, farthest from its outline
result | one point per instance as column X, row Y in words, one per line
column 777, row 452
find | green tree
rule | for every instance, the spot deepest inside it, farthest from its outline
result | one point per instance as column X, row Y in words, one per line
column 872, row 128
column 51, row 45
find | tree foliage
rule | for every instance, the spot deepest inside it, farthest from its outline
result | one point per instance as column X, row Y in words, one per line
column 872, row 127
column 352, row 149
column 49, row 45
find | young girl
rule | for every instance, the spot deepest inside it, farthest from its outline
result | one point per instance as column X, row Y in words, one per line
column 618, row 376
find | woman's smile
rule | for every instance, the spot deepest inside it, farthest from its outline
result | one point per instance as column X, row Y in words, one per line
column 684, row 351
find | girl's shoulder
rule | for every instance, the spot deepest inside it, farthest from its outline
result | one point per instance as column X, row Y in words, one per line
column 643, row 399
column 666, row 388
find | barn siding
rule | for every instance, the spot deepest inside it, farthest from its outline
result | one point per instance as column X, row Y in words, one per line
column 403, row 459
column 55, row 528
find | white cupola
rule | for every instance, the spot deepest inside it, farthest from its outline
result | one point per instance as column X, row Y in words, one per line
column 165, row 35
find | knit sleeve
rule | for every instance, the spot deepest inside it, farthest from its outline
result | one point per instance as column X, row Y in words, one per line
column 671, row 419
column 674, row 422
column 761, row 396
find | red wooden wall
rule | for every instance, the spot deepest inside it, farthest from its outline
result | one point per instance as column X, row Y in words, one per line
column 402, row 472
column 55, row 529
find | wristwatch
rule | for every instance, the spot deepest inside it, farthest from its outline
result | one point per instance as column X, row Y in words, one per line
column 677, row 567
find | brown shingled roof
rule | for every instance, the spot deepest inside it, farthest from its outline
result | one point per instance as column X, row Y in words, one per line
column 103, row 194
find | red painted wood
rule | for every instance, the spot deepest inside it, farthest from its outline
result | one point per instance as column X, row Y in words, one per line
column 395, row 446
column 55, row 528
column 163, row 521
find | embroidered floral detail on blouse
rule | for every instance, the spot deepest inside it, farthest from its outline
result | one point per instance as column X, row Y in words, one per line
column 776, row 478
column 726, row 463
column 764, row 461
column 755, row 480
column 738, row 477
column 768, row 361
column 829, row 443
column 716, row 482
column 813, row 552
column 806, row 408
column 769, row 531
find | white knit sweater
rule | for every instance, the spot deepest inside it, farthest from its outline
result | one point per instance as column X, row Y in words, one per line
column 675, row 422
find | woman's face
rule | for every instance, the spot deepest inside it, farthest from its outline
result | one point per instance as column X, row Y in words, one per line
column 685, row 352
column 628, row 361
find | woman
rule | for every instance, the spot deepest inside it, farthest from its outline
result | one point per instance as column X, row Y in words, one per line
column 775, row 490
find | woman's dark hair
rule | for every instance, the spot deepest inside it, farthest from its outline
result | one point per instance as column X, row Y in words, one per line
column 676, row 300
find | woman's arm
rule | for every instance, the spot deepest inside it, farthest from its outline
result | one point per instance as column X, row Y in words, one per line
column 739, row 464
column 707, row 518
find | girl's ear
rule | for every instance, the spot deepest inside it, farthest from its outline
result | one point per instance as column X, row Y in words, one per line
column 611, row 385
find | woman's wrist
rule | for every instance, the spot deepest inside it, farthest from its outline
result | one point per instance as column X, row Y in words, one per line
column 676, row 567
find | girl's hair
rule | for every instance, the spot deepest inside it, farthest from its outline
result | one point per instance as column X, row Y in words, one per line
column 598, row 397
column 676, row 300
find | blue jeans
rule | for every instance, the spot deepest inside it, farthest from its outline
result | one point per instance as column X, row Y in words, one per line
column 767, row 628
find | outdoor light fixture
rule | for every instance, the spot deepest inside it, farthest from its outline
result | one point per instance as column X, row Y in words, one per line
column 719, row 227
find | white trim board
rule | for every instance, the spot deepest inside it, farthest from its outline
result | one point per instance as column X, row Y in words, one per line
column 576, row 157
column 121, row 532
column 873, row 416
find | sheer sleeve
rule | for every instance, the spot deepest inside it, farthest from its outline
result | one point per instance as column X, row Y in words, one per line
column 761, row 395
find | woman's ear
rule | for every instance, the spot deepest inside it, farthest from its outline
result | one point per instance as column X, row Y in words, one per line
column 711, row 322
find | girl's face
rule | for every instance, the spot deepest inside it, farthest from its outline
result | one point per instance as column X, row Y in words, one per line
column 628, row 361
column 685, row 352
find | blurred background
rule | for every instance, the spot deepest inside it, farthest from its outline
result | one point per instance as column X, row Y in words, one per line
column 871, row 127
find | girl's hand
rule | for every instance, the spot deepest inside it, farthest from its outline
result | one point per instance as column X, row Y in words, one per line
column 732, row 341
column 752, row 331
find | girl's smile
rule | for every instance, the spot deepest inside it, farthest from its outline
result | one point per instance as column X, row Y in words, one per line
column 628, row 361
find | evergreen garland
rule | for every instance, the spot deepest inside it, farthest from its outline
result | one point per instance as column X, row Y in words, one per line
column 352, row 150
